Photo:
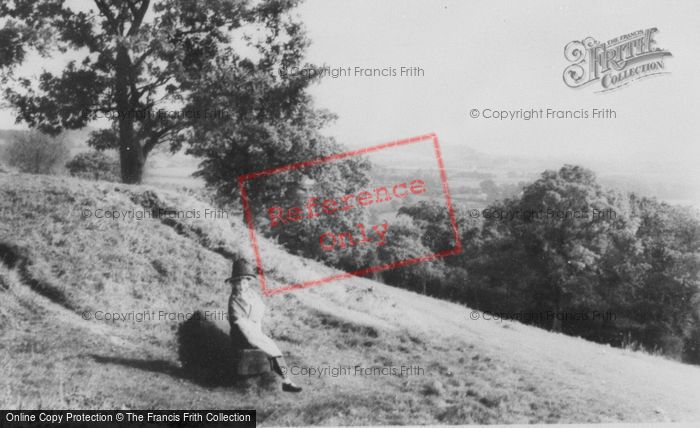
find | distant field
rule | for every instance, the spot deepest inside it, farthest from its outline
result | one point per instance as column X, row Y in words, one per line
column 172, row 170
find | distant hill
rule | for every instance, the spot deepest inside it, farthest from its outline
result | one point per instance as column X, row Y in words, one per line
column 59, row 266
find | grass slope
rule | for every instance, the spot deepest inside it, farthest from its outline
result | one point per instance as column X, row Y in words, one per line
column 57, row 264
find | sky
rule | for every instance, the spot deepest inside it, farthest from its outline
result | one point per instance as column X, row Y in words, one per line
column 506, row 55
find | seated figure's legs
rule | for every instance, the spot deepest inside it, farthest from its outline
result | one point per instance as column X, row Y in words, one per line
column 279, row 366
column 255, row 337
column 252, row 334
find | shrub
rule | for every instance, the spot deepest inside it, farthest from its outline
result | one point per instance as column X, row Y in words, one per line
column 36, row 153
column 94, row 165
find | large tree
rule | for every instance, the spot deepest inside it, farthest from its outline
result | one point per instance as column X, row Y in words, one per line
column 558, row 231
column 138, row 56
column 665, row 309
column 272, row 122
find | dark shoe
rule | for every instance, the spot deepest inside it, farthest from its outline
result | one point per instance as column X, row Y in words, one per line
column 290, row 387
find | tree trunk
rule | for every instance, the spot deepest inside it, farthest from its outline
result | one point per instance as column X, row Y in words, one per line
column 131, row 156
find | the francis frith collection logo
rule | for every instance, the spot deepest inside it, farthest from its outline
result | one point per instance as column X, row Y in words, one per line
column 615, row 63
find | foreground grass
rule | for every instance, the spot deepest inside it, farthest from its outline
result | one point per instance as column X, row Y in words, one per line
column 472, row 371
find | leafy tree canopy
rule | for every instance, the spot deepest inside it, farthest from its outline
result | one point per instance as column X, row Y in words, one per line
column 137, row 56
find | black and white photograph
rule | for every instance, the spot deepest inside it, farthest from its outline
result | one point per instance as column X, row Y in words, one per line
column 244, row 213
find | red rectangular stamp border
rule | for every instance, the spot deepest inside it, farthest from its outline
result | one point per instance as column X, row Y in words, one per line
column 428, row 257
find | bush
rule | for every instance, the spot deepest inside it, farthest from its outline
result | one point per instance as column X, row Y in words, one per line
column 94, row 165
column 36, row 153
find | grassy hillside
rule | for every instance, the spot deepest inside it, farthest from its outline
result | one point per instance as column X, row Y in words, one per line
column 58, row 265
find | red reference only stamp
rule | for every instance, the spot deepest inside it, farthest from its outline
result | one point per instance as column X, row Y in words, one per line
column 376, row 235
